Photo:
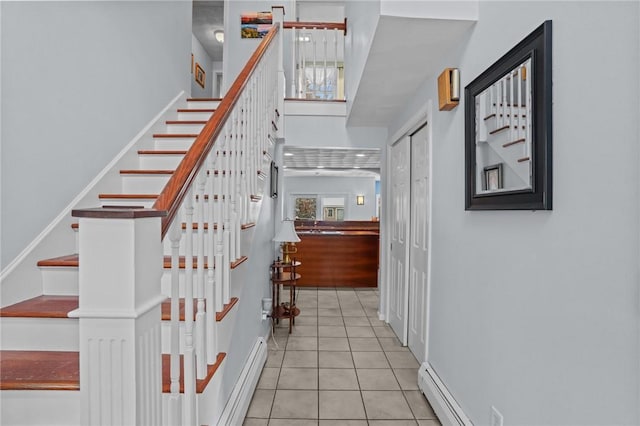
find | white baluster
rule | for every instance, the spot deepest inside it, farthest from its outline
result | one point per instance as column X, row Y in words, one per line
column 304, row 67
column 190, row 417
column 335, row 62
column 226, row 207
column 217, row 214
column 211, row 328
column 324, row 42
column 528, row 111
column 175, row 413
column 511, row 109
column 520, row 131
column 201, row 364
column 315, row 79
column 232, row 183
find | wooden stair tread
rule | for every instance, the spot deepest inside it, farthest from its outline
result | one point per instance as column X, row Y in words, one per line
column 200, row 384
column 517, row 141
column 186, row 122
column 53, row 370
column 195, row 110
column 44, row 306
column 70, row 260
column 166, row 309
column 39, row 370
column 175, row 135
column 182, row 262
column 161, row 152
column 76, row 225
column 146, row 172
column 215, row 226
column 129, row 196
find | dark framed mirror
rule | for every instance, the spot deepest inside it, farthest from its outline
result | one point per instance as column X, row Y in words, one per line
column 508, row 129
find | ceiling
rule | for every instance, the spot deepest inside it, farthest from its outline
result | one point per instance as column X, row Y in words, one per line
column 303, row 161
column 403, row 54
column 208, row 16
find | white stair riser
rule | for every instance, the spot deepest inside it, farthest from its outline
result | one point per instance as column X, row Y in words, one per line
column 203, row 104
column 59, row 281
column 173, row 143
column 126, row 202
column 160, row 162
column 195, row 115
column 40, row 334
column 49, row 407
column 185, row 128
column 144, row 184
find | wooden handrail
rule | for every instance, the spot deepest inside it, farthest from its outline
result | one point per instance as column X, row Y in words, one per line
column 317, row 25
column 178, row 185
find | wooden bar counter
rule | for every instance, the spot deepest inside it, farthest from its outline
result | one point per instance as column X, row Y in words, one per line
column 338, row 254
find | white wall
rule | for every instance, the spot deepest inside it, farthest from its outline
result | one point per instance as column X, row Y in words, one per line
column 432, row 9
column 79, row 80
column 318, row 131
column 330, row 186
column 201, row 57
column 362, row 20
column 536, row 313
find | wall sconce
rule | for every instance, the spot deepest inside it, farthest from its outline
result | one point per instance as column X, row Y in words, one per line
column 219, row 36
column 360, row 200
column 449, row 89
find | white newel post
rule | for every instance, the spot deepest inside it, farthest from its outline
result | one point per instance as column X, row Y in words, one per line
column 119, row 316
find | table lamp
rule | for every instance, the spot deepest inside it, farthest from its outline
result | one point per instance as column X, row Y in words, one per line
column 287, row 238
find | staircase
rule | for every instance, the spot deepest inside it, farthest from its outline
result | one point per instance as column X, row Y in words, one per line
column 136, row 326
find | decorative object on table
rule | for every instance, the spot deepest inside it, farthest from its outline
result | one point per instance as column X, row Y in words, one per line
column 508, row 119
column 255, row 24
column 200, row 75
column 449, row 89
column 287, row 237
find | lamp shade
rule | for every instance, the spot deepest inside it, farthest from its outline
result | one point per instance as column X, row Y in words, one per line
column 287, row 233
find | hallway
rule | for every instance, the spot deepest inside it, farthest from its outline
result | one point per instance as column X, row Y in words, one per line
column 341, row 366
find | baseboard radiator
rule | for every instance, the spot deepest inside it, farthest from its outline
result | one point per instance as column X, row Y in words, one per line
column 445, row 407
column 236, row 408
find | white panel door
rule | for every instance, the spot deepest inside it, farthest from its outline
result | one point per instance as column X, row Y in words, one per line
column 418, row 251
column 399, row 215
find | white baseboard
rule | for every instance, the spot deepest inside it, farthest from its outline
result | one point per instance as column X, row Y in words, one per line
column 238, row 404
column 445, row 407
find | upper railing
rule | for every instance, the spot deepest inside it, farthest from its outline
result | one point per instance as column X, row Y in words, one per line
column 318, row 55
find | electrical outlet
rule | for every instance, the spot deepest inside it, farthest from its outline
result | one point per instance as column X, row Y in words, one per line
column 496, row 417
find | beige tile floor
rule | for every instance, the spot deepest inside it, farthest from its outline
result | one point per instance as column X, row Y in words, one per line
column 340, row 366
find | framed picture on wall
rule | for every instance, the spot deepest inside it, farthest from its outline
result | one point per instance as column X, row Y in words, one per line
column 200, row 75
